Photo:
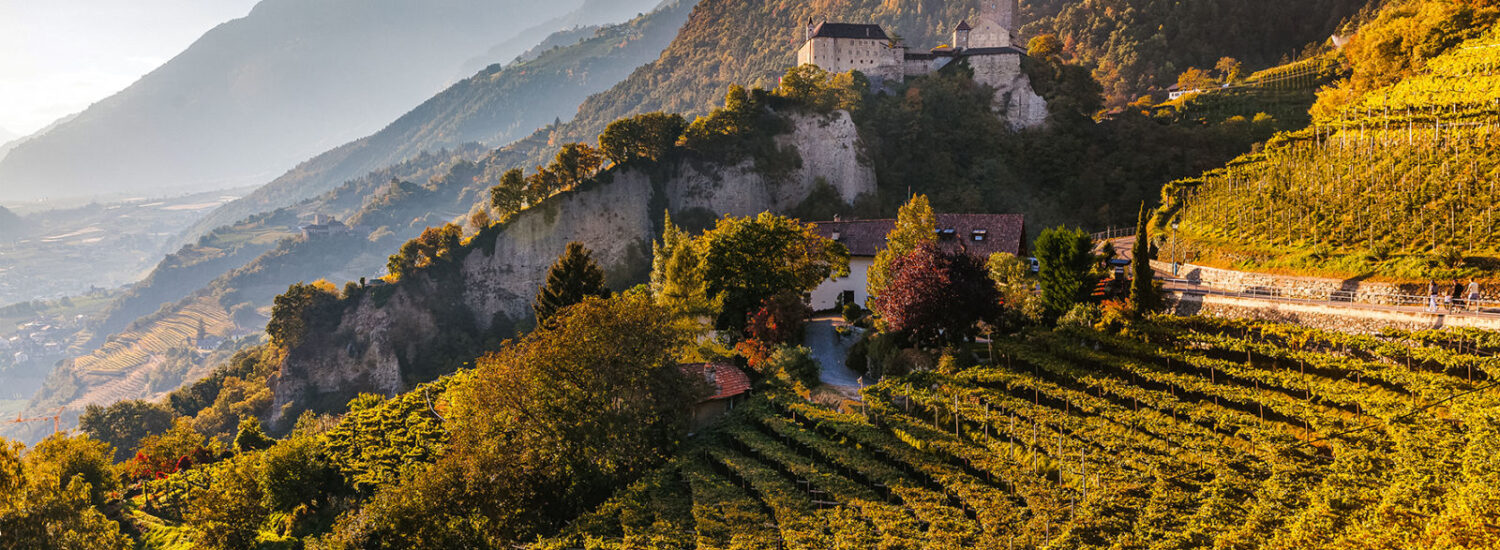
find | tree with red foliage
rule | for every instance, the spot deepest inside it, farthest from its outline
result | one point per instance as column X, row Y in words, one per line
column 780, row 319
column 754, row 351
column 937, row 296
column 162, row 455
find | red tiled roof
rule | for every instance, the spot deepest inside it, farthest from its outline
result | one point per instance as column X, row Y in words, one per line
column 999, row 232
column 728, row 380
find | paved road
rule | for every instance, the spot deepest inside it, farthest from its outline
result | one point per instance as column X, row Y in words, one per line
column 1171, row 283
column 1193, row 288
column 829, row 350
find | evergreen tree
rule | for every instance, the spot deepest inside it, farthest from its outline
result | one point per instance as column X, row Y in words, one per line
column 572, row 278
column 1143, row 296
column 915, row 224
column 672, row 238
column 251, row 437
column 677, row 281
column 1066, row 258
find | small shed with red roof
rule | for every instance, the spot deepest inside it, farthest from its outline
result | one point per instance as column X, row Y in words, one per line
column 729, row 386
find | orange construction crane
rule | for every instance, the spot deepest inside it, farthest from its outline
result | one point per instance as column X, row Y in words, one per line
column 56, row 419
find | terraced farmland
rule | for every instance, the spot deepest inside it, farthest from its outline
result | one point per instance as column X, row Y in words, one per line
column 134, row 348
column 1196, row 433
column 1398, row 177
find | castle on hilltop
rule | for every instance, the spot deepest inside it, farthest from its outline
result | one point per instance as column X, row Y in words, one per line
column 988, row 47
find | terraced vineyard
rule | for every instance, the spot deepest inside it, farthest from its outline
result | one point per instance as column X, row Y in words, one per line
column 1408, row 169
column 134, row 348
column 1198, row 433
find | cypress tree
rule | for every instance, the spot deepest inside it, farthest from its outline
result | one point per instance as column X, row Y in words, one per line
column 1142, row 293
column 572, row 278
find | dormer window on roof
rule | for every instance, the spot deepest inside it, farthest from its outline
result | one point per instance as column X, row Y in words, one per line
column 979, row 234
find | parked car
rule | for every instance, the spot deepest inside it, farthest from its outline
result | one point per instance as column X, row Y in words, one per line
column 1033, row 265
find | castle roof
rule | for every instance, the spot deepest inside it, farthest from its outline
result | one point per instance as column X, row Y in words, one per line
column 978, row 234
column 949, row 51
column 849, row 30
column 963, row 26
column 1003, row 50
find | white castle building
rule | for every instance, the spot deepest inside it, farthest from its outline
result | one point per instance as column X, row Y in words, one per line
column 988, row 47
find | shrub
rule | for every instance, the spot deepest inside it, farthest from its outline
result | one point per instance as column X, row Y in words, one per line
column 907, row 361
column 954, row 360
column 852, row 312
column 858, row 359
column 1448, row 256
column 1082, row 316
column 1115, row 315
column 795, row 364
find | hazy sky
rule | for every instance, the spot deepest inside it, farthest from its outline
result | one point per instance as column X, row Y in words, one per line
column 58, row 56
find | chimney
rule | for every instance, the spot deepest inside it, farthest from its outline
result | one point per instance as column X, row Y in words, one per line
column 711, row 373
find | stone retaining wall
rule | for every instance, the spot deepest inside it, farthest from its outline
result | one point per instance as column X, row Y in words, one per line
column 1350, row 318
column 1311, row 288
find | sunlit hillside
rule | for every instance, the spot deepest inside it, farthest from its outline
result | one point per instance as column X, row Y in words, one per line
column 1397, row 181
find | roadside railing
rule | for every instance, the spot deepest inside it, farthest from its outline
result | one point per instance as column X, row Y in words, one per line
column 1114, row 233
column 1423, row 304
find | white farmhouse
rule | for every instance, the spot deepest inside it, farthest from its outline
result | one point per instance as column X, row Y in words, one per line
column 978, row 234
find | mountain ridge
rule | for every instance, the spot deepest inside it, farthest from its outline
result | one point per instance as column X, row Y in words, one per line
column 253, row 95
column 490, row 106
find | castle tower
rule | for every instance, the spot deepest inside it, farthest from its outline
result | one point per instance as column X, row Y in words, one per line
column 961, row 35
column 996, row 23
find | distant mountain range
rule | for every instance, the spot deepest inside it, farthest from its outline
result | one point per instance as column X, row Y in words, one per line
column 554, row 32
column 260, row 93
column 497, row 105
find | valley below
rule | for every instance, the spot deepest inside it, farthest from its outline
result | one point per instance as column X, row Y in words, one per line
column 72, row 251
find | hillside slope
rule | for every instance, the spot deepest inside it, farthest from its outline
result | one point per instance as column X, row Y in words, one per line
column 1140, row 46
column 765, row 36
column 1204, row 435
column 493, row 107
column 1394, row 181
column 561, row 32
column 419, row 328
column 257, row 94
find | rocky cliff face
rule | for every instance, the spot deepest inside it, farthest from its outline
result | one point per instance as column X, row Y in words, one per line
column 1015, row 100
column 388, row 330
